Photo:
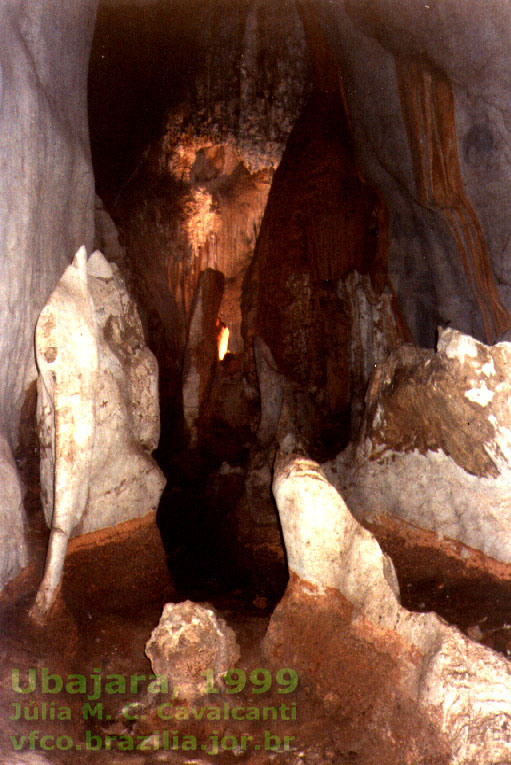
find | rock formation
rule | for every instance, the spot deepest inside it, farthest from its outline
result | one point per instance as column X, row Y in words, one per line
column 46, row 201
column 434, row 446
column 201, row 351
column 425, row 130
column 192, row 648
column 463, row 688
column 98, row 413
column 198, row 192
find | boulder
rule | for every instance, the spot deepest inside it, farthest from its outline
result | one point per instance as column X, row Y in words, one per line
column 193, row 648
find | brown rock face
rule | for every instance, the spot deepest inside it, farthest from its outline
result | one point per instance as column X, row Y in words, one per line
column 427, row 104
column 454, row 400
column 321, row 223
column 414, row 402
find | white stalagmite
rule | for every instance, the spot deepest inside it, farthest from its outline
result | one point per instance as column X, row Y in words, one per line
column 67, row 358
column 98, row 412
column 463, row 686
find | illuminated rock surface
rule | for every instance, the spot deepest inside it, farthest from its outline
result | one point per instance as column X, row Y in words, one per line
column 188, row 641
column 463, row 688
column 435, row 446
column 98, row 413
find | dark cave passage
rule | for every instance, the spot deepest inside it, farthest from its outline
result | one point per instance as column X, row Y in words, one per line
column 286, row 235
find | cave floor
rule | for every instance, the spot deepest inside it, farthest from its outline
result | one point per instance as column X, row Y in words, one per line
column 114, row 588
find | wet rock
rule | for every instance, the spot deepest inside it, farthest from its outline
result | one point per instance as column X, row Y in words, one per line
column 193, row 648
column 98, row 415
column 435, row 447
column 461, row 689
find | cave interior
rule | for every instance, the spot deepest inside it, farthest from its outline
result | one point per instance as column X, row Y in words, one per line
column 292, row 194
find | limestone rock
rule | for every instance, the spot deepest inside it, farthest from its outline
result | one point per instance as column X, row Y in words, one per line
column 324, row 543
column 98, row 414
column 189, row 641
column 375, row 333
column 13, row 539
column 125, row 480
column 425, row 129
column 301, row 296
column 435, row 446
column 462, row 687
column 224, row 136
column 46, row 194
column 67, row 358
column 201, row 351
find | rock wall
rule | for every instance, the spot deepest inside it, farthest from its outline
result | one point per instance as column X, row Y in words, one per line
column 46, row 200
column 195, row 196
column 431, row 127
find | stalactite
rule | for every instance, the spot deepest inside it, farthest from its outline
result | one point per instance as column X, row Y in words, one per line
column 427, row 104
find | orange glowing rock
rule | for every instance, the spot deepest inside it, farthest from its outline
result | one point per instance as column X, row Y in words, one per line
column 223, row 342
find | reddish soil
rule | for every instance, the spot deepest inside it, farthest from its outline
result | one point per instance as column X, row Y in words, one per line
column 347, row 706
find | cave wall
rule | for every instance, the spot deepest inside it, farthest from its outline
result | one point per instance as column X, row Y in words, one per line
column 46, row 203
column 426, row 88
column 194, row 197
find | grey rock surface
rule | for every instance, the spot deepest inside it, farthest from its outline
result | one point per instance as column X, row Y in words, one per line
column 46, row 190
column 13, row 530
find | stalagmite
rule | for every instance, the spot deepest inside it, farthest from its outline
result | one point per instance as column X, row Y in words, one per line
column 67, row 358
column 462, row 687
column 98, row 413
